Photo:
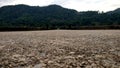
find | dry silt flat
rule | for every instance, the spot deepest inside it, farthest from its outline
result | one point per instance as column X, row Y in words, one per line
column 60, row 49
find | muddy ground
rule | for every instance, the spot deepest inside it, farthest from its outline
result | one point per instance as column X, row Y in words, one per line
column 60, row 49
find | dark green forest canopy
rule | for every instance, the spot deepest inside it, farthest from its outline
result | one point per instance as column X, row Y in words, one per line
column 54, row 16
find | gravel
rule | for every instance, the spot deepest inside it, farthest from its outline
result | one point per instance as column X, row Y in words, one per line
column 60, row 49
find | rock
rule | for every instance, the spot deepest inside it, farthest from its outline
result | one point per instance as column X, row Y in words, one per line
column 59, row 65
column 90, row 61
column 106, row 63
column 88, row 66
column 16, row 56
column 80, row 56
column 93, row 65
column 50, row 62
column 71, row 53
column 111, row 50
column 78, row 67
column 69, row 57
column 39, row 65
column 83, row 64
column 22, row 59
column 99, row 56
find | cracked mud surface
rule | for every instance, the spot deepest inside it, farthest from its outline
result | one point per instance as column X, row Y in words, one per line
column 60, row 49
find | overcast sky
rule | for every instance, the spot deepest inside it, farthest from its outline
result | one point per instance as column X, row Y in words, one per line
column 79, row 5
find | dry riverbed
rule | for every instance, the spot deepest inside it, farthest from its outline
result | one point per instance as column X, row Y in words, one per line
column 60, row 49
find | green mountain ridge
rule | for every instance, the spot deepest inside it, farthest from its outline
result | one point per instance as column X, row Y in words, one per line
column 54, row 16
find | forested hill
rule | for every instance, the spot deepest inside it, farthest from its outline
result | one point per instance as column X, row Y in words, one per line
column 54, row 17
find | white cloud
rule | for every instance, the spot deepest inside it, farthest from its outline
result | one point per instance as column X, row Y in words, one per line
column 60, row 2
column 102, row 5
column 3, row 2
column 80, row 5
column 32, row 2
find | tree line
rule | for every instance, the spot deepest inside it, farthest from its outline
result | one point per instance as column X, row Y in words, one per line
column 56, row 17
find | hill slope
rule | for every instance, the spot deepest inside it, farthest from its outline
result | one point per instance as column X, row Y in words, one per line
column 54, row 16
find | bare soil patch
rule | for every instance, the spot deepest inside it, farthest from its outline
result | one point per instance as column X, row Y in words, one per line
column 60, row 49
